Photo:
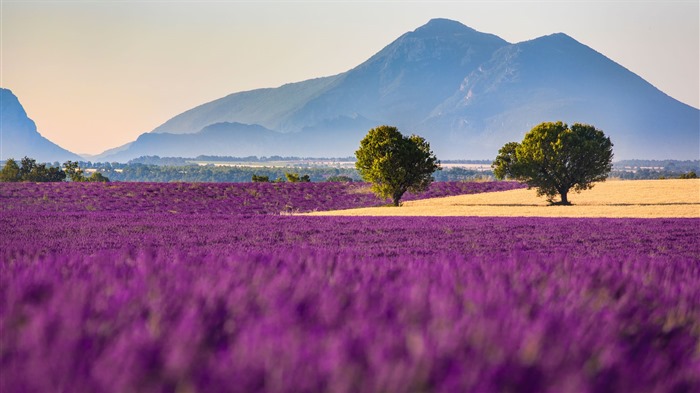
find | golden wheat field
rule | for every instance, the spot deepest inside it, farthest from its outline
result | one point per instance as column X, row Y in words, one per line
column 614, row 199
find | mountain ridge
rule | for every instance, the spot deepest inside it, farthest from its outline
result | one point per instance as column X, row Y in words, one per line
column 466, row 91
column 20, row 137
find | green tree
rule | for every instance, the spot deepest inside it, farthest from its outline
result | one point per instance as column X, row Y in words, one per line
column 395, row 163
column 28, row 169
column 555, row 159
column 689, row 175
column 292, row 177
column 97, row 177
column 10, row 172
column 340, row 178
column 73, row 171
column 51, row 174
column 504, row 165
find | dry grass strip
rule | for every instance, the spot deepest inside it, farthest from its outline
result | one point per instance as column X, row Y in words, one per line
column 614, row 199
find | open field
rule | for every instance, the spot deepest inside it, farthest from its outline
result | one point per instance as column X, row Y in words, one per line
column 612, row 199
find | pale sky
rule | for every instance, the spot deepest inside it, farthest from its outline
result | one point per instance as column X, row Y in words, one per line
column 95, row 74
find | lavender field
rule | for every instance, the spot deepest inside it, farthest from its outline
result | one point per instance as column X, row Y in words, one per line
column 211, row 287
column 215, row 198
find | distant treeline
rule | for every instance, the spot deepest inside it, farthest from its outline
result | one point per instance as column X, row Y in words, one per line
column 28, row 170
column 211, row 173
column 173, row 169
column 655, row 169
column 218, row 174
column 182, row 161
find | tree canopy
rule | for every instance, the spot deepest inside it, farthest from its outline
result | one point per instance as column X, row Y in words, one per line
column 10, row 172
column 555, row 158
column 395, row 163
column 29, row 170
column 73, row 171
column 76, row 174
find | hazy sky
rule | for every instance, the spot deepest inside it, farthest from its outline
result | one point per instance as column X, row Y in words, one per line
column 96, row 74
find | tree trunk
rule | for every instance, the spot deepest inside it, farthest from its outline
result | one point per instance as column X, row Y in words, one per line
column 396, row 197
column 564, row 200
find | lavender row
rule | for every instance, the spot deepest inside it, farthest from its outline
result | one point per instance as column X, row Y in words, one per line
column 90, row 232
column 217, row 198
column 301, row 321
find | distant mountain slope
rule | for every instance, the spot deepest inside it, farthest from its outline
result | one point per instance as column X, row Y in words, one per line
column 233, row 139
column 557, row 78
column 265, row 107
column 19, row 136
column 412, row 74
column 467, row 92
column 215, row 139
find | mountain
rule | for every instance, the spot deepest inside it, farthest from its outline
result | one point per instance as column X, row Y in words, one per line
column 20, row 138
column 467, row 92
column 216, row 139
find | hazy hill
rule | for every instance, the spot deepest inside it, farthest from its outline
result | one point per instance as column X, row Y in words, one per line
column 215, row 139
column 19, row 135
column 466, row 91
